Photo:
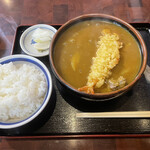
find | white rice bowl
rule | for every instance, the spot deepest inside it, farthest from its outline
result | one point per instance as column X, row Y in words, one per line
column 25, row 90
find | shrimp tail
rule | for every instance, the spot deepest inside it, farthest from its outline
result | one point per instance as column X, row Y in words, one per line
column 87, row 89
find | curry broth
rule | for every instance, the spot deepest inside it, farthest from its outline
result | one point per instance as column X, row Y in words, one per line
column 75, row 48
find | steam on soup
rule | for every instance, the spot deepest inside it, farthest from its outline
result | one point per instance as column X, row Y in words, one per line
column 96, row 44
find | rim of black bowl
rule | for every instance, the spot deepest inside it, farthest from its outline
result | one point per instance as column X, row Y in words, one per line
column 114, row 20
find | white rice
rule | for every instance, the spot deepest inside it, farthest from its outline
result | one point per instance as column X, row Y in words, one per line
column 22, row 91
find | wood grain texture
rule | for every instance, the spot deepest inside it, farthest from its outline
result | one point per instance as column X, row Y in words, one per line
column 18, row 12
column 80, row 144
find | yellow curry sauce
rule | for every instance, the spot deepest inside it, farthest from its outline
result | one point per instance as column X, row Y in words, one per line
column 76, row 47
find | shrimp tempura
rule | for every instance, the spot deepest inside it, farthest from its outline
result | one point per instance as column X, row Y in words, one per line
column 107, row 57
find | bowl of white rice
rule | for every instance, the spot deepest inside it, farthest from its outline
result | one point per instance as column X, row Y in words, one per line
column 25, row 90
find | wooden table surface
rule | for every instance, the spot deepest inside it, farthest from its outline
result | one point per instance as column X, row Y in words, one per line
column 19, row 12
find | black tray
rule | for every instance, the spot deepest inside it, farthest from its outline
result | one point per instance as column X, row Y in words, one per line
column 62, row 120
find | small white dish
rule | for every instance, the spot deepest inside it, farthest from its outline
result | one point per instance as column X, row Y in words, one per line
column 26, row 40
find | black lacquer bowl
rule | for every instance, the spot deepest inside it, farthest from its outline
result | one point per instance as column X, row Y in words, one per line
column 98, row 96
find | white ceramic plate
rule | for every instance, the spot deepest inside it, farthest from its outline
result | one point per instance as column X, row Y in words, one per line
column 26, row 41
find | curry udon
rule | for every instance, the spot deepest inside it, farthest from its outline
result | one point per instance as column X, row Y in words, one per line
column 76, row 47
